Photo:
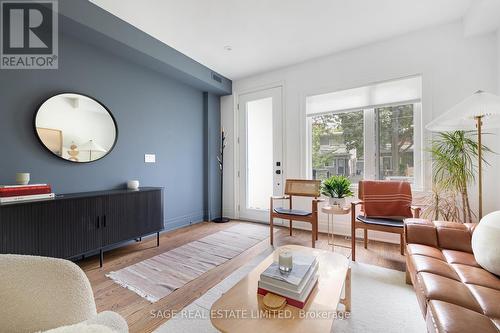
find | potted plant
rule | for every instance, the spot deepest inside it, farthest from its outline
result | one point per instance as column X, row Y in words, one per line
column 337, row 188
column 453, row 170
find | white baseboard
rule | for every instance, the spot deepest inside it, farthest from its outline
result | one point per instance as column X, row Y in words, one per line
column 342, row 228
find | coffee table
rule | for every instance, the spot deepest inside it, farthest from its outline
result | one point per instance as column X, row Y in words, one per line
column 240, row 308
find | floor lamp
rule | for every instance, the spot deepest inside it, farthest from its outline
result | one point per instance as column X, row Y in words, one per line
column 478, row 112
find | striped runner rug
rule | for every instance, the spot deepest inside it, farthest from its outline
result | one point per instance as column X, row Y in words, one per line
column 157, row 277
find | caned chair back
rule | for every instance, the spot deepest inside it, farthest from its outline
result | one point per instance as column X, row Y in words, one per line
column 302, row 187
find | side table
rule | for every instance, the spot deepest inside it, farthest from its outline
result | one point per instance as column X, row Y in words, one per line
column 331, row 211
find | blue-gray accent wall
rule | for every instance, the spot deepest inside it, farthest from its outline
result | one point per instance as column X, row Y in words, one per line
column 155, row 113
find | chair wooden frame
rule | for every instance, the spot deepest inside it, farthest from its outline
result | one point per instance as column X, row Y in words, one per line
column 298, row 188
column 355, row 224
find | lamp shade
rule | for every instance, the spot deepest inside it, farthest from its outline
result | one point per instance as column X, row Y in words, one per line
column 462, row 116
column 92, row 146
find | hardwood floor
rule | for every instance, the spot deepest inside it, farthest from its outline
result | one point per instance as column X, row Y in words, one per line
column 138, row 312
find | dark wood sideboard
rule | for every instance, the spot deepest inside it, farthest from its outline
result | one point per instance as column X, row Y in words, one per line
column 76, row 224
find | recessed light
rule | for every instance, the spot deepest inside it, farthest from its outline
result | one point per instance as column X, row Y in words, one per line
column 228, row 48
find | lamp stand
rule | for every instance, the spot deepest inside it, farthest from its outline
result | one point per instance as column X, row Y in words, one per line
column 479, row 124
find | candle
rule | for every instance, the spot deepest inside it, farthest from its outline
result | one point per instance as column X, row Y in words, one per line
column 285, row 261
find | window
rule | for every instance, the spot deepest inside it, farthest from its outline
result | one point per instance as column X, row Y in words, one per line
column 337, row 145
column 395, row 146
column 371, row 132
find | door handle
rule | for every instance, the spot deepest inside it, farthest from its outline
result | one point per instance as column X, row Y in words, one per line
column 98, row 222
column 104, row 221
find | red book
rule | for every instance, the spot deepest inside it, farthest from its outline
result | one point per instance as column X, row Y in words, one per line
column 6, row 192
column 289, row 301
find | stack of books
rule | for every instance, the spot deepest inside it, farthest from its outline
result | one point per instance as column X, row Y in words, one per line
column 297, row 285
column 16, row 193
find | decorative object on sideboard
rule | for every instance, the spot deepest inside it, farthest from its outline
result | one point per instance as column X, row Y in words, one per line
column 133, row 185
column 73, row 152
column 477, row 112
column 23, row 193
column 77, row 122
column 22, row 178
column 220, row 159
column 285, row 261
column 486, row 242
column 337, row 188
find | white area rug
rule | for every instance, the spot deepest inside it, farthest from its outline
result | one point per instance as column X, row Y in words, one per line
column 381, row 302
column 157, row 277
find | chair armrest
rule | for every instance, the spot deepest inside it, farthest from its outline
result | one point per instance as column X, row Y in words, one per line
column 280, row 197
column 356, row 203
column 319, row 200
column 416, row 211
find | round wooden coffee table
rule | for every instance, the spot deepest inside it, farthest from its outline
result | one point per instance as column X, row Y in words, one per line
column 240, row 309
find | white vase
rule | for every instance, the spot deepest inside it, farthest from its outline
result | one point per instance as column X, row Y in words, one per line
column 22, row 178
column 133, row 185
column 336, row 202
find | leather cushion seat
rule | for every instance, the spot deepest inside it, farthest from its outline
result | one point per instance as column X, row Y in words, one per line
column 379, row 221
column 298, row 212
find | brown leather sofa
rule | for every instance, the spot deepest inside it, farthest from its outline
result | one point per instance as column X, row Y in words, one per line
column 454, row 293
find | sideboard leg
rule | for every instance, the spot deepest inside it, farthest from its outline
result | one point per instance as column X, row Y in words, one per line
column 157, row 239
column 101, row 257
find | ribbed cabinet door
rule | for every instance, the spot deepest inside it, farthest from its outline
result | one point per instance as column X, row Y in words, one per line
column 74, row 228
column 120, row 214
column 19, row 228
column 153, row 216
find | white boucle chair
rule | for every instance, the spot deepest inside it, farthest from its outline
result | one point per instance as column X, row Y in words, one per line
column 39, row 294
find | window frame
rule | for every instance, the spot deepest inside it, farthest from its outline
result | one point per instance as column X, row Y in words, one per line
column 370, row 138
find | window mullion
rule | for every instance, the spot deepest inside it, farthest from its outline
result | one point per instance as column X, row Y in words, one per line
column 369, row 144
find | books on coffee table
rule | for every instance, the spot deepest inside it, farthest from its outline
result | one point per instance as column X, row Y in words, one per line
column 296, row 285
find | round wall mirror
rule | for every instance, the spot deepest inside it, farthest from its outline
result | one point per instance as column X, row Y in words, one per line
column 76, row 127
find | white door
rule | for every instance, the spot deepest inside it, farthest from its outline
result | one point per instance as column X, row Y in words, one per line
column 261, row 151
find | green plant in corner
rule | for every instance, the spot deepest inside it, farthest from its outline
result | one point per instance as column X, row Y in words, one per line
column 337, row 187
column 454, row 168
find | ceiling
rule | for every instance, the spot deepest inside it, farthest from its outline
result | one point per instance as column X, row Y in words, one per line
column 269, row 34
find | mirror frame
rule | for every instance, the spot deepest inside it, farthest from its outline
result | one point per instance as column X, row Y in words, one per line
column 84, row 95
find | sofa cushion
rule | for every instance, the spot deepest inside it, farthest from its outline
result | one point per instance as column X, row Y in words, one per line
column 425, row 250
column 420, row 231
column 451, row 318
column 487, row 299
column 478, row 276
column 433, row 265
column 440, row 288
column 459, row 257
column 453, row 236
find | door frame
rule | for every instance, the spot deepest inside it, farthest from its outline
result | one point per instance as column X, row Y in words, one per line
column 236, row 135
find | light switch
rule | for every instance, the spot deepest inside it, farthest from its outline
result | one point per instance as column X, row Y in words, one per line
column 149, row 158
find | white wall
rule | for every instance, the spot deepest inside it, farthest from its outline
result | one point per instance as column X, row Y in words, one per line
column 452, row 68
column 498, row 60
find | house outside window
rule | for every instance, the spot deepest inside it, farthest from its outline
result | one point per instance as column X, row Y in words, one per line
column 372, row 132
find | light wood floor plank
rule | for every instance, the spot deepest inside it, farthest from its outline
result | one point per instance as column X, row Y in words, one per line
column 137, row 311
